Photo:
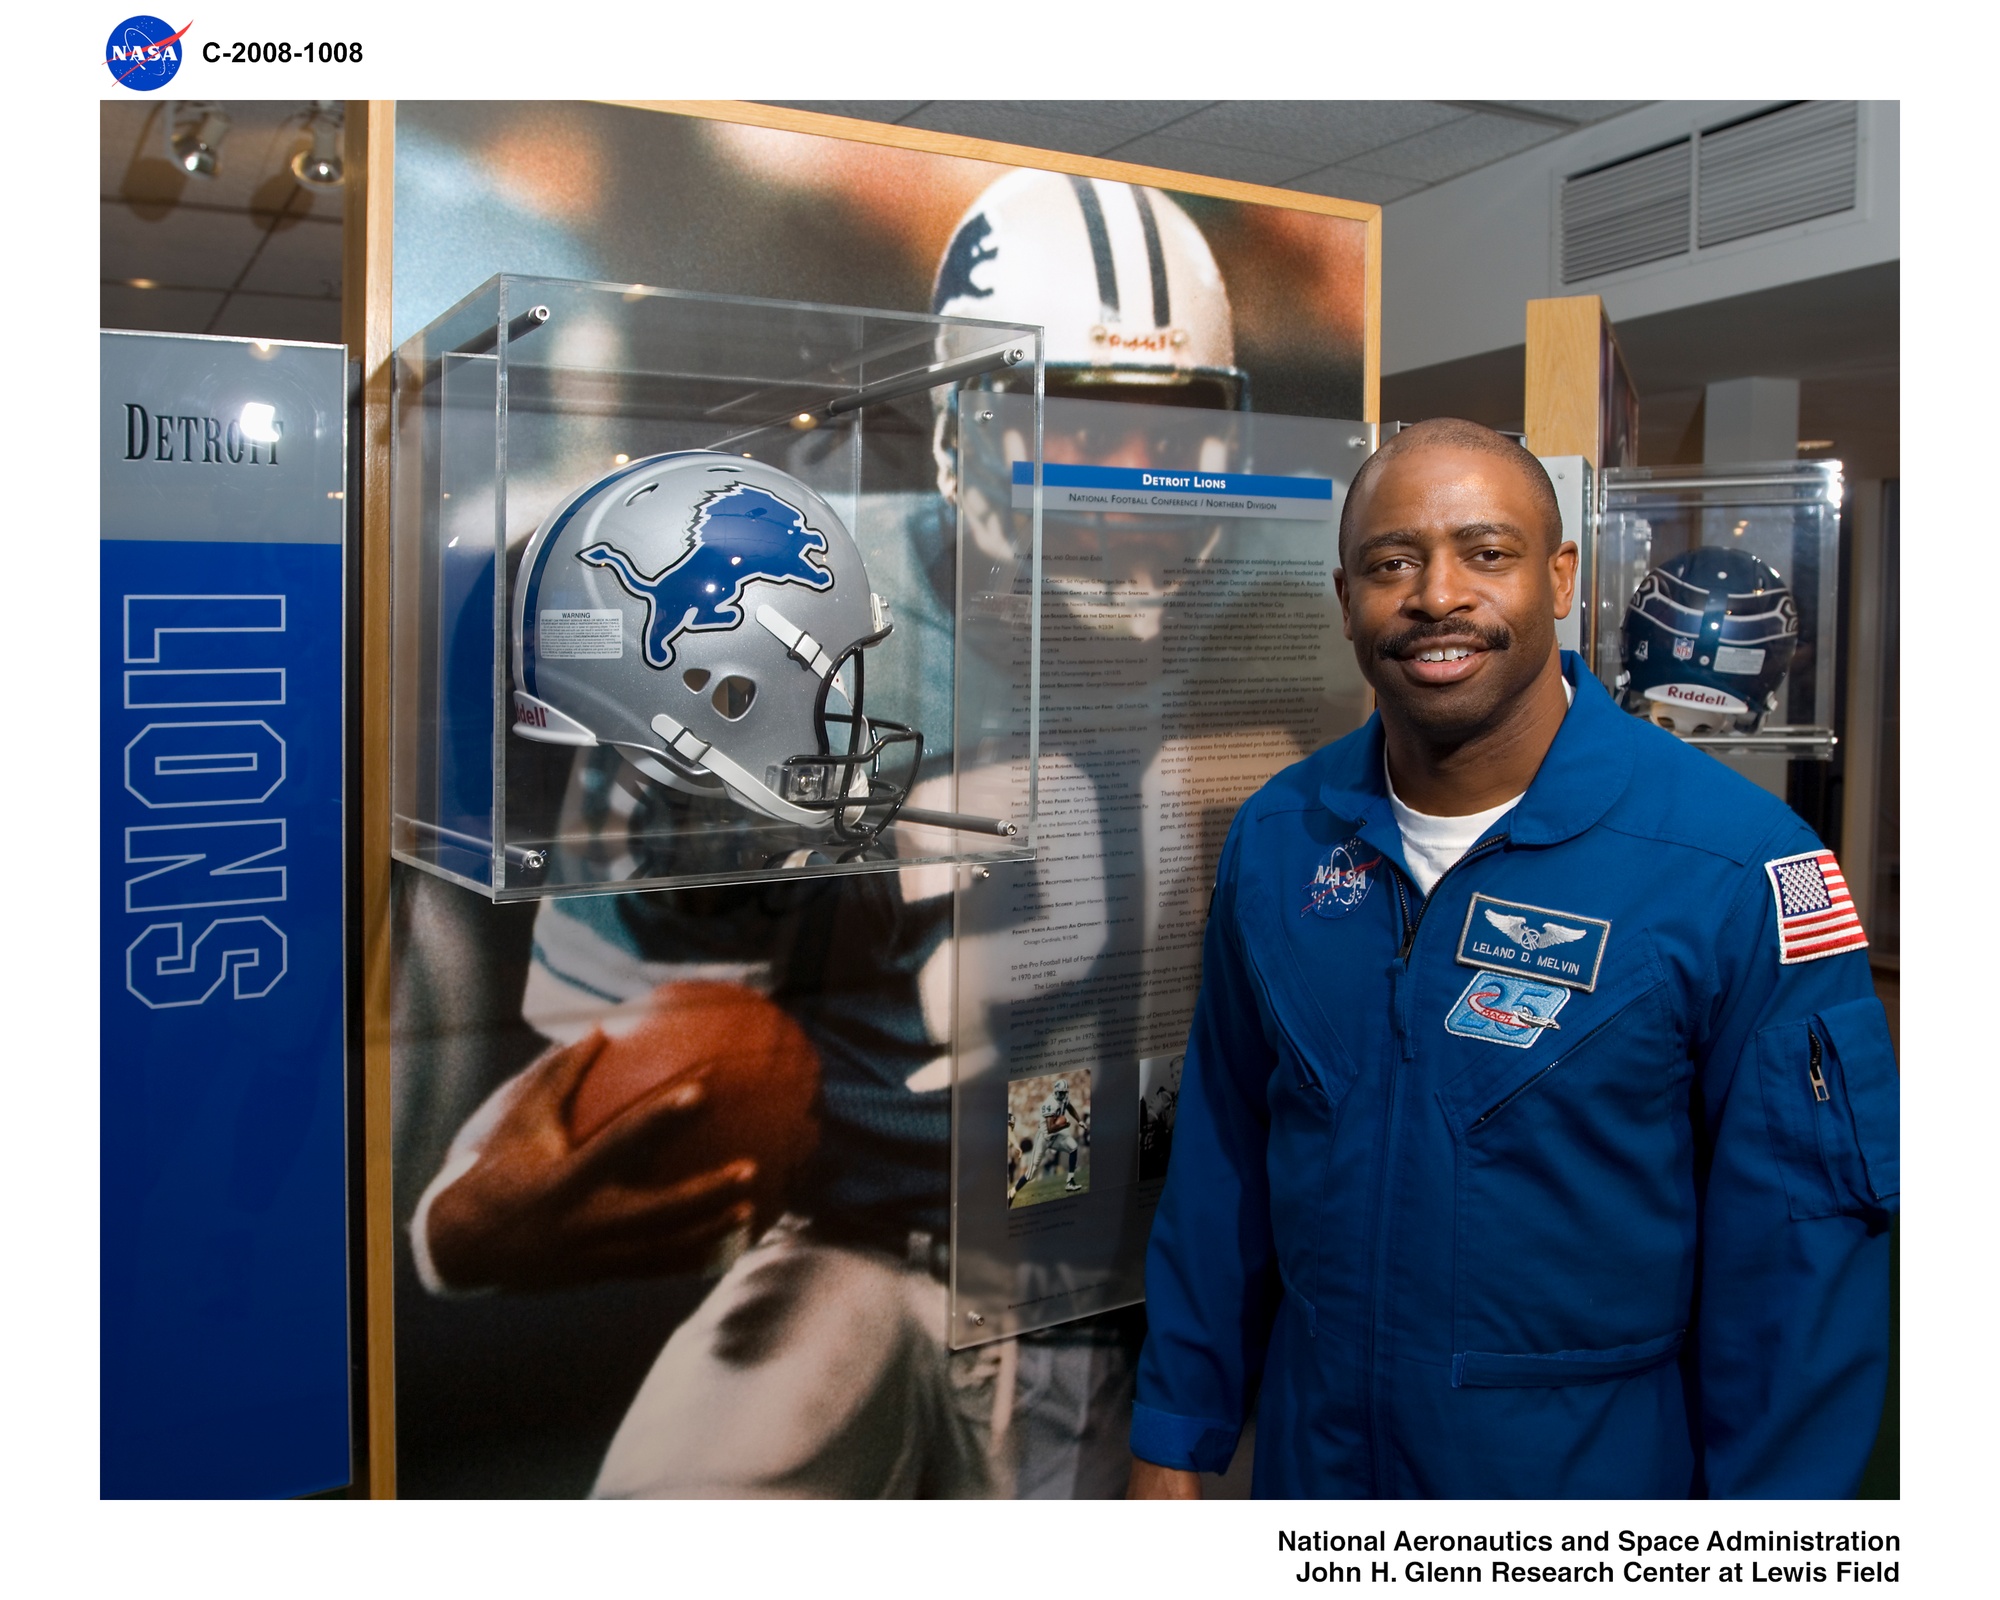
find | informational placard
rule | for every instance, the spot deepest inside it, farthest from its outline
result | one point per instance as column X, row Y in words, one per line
column 1191, row 648
column 224, row 1320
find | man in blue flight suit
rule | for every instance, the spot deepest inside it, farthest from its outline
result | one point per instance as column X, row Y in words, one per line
column 1538, row 1128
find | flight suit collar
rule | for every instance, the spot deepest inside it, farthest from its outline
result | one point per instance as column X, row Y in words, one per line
column 1581, row 777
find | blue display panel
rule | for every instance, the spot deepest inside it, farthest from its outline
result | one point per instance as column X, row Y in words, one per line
column 224, row 1357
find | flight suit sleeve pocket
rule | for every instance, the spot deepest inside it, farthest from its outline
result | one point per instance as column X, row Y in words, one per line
column 1831, row 1100
column 1554, row 1369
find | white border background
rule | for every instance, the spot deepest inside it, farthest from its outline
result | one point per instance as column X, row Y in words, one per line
column 1245, row 49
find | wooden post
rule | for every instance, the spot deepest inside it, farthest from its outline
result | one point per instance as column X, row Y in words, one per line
column 369, row 158
column 1580, row 398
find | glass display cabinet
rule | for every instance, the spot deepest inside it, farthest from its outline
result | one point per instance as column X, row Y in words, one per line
column 679, row 592
column 1716, row 593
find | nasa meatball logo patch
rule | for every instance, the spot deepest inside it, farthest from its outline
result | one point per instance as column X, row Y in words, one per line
column 1342, row 881
column 1504, row 1008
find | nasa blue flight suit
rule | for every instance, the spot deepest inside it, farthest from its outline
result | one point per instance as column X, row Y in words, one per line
column 1604, row 1216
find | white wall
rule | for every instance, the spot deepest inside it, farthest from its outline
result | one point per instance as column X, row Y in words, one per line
column 1460, row 261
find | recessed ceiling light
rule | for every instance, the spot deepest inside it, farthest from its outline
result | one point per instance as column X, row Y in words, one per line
column 194, row 135
column 319, row 166
column 141, row 283
column 1815, row 444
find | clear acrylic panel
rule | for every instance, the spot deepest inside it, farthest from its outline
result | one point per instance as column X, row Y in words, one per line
column 573, row 715
column 1194, row 648
column 1786, row 515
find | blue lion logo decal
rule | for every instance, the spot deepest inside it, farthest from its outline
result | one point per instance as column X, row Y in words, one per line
column 969, row 250
column 740, row 534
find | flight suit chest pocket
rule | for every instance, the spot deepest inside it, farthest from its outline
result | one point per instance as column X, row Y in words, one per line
column 1573, row 1176
column 1831, row 1100
column 1315, row 1062
column 1625, row 1018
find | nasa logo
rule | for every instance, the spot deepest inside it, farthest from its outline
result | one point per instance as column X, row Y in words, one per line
column 144, row 53
column 1341, row 882
column 741, row 534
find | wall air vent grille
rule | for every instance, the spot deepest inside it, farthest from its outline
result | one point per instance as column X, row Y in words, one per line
column 1778, row 168
column 1627, row 212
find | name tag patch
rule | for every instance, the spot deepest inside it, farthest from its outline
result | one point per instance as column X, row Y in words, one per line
column 1505, row 1008
column 1554, row 946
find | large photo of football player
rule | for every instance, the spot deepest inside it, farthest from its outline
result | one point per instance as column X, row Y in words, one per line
column 624, row 1274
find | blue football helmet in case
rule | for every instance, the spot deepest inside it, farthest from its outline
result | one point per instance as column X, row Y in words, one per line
column 1708, row 637
column 708, row 617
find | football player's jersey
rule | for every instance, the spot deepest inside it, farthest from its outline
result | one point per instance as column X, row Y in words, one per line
column 841, row 955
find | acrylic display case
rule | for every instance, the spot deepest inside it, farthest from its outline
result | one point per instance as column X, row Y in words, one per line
column 680, row 592
column 1776, row 530
column 1194, row 649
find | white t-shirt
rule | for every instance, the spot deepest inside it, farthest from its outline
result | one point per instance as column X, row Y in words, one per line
column 1432, row 844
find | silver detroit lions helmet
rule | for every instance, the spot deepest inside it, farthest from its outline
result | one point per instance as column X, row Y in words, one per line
column 707, row 616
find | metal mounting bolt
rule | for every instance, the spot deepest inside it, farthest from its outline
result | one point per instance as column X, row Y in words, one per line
column 985, row 416
column 982, row 873
column 977, row 1320
column 1356, row 444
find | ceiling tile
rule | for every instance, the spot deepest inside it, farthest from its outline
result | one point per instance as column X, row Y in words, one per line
column 156, row 310
column 1350, row 183
column 864, row 110
column 1017, row 124
column 1211, row 160
column 267, row 316
column 1135, row 116
column 186, row 248
column 1457, row 147
column 1582, row 112
column 1314, row 131
column 302, row 259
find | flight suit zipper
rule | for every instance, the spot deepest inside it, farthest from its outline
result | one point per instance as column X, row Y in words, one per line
column 1406, row 1042
column 1813, row 1067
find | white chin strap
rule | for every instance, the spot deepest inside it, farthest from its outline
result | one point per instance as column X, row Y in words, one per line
column 811, row 656
column 753, row 792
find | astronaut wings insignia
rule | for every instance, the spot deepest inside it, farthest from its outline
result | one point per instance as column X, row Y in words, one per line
column 1550, row 933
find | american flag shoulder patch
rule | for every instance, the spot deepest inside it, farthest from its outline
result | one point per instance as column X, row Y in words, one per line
column 1816, row 915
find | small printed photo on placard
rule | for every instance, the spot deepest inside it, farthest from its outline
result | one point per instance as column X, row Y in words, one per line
column 1048, row 1138
column 1159, row 1094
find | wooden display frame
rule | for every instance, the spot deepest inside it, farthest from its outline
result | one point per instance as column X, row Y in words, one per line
column 367, row 331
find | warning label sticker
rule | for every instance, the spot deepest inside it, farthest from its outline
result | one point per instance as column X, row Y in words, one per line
column 580, row 635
